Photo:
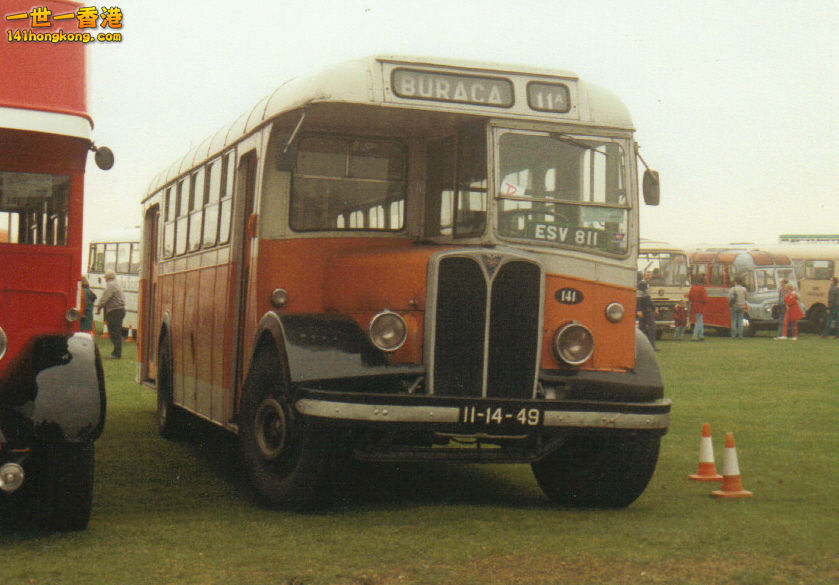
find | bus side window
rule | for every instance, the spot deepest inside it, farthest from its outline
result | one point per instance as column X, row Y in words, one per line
column 211, row 204
column 196, row 210
column 227, row 196
column 717, row 275
column 123, row 257
column 134, row 264
column 168, row 218
column 181, row 223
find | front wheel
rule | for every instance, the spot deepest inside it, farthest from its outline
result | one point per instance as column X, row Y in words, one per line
column 287, row 460
column 62, row 485
column 599, row 470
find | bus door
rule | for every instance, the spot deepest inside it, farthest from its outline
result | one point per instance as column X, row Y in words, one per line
column 717, row 311
column 148, row 332
column 245, row 191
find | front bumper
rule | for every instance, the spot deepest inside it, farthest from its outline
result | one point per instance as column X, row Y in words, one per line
column 480, row 416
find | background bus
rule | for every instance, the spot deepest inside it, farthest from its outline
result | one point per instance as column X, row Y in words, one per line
column 52, row 392
column 118, row 251
column 762, row 273
column 666, row 269
column 815, row 264
column 392, row 256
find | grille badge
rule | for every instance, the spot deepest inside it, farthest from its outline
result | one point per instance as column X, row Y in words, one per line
column 491, row 262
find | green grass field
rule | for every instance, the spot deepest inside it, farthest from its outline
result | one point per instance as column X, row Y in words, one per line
column 183, row 513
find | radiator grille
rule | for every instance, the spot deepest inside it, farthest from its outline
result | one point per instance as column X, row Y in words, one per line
column 487, row 321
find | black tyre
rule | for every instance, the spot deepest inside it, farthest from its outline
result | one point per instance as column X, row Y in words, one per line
column 63, row 486
column 599, row 470
column 170, row 418
column 288, row 461
column 817, row 319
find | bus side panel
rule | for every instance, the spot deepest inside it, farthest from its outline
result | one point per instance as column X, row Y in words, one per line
column 221, row 345
column 174, row 295
column 203, row 341
column 189, row 341
column 717, row 311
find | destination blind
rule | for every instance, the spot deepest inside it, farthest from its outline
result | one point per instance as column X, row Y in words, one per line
column 449, row 87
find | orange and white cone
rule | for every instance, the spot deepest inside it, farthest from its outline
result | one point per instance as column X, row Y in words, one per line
column 707, row 468
column 130, row 337
column 105, row 330
column 732, row 487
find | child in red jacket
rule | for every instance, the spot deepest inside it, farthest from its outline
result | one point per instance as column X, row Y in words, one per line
column 793, row 311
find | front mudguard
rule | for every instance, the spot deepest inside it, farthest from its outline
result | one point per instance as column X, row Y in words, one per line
column 54, row 392
column 326, row 348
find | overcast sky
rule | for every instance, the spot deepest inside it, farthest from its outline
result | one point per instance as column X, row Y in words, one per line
column 736, row 102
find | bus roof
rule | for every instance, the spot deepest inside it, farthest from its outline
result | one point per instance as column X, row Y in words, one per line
column 822, row 251
column 798, row 239
column 659, row 246
column 123, row 235
column 369, row 81
column 738, row 256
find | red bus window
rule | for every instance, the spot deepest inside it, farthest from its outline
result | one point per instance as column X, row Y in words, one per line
column 34, row 208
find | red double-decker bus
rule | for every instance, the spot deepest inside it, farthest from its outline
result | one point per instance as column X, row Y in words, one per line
column 52, row 393
column 394, row 257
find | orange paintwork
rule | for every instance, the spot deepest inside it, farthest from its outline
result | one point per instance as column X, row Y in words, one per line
column 335, row 275
column 614, row 343
column 356, row 277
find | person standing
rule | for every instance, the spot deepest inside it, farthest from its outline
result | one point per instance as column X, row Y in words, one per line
column 793, row 311
column 680, row 319
column 737, row 302
column 86, row 322
column 645, row 311
column 113, row 303
column 832, row 310
column 697, row 297
column 782, row 292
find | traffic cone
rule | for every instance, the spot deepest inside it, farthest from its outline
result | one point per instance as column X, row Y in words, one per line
column 732, row 487
column 105, row 331
column 130, row 337
column 707, row 469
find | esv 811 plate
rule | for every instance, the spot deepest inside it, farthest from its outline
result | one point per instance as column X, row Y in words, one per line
column 501, row 416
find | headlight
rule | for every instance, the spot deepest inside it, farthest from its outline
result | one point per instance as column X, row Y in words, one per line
column 72, row 315
column 4, row 343
column 388, row 331
column 614, row 312
column 573, row 344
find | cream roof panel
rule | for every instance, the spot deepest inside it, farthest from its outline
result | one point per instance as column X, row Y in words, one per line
column 360, row 81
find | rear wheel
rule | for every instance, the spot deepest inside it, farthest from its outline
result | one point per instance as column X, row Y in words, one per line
column 817, row 318
column 603, row 470
column 287, row 459
column 170, row 418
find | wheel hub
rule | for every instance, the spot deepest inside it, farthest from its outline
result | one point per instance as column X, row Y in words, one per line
column 270, row 429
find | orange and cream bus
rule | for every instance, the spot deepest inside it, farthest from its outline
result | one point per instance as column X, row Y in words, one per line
column 815, row 264
column 762, row 272
column 666, row 270
column 395, row 256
